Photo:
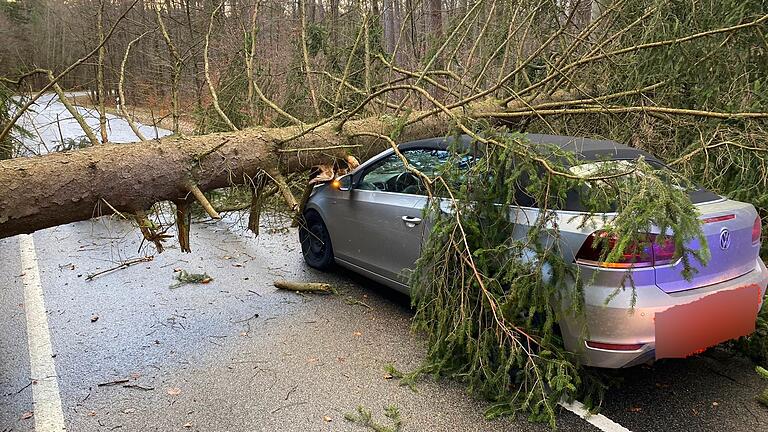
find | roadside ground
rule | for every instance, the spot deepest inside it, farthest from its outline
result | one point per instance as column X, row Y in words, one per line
column 133, row 354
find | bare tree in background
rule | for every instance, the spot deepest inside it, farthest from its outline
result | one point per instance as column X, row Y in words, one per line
column 100, row 90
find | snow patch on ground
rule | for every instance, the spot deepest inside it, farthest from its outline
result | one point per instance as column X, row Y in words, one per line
column 50, row 124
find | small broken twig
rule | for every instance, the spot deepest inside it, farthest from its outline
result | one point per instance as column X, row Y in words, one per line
column 353, row 301
column 122, row 265
column 138, row 386
column 115, row 382
column 247, row 319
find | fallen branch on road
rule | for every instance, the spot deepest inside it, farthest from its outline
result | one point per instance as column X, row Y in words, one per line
column 364, row 418
column 112, row 383
column 353, row 301
column 138, row 386
column 122, row 265
column 305, row 287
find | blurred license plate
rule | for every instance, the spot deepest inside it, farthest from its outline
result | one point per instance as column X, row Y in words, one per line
column 691, row 328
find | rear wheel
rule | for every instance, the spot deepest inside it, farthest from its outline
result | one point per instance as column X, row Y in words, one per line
column 316, row 242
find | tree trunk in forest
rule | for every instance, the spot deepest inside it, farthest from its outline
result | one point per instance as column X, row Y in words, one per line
column 334, row 23
column 596, row 9
column 375, row 9
column 305, row 57
column 435, row 24
column 59, row 188
column 319, row 14
column 193, row 58
column 390, row 31
column 397, row 17
column 414, row 40
column 250, row 58
column 100, row 74
column 177, row 63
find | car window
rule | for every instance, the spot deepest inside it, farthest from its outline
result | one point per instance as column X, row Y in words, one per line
column 390, row 175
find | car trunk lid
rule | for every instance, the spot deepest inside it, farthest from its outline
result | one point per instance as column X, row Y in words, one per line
column 727, row 227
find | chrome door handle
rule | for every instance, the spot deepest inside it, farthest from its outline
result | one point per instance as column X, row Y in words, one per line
column 411, row 220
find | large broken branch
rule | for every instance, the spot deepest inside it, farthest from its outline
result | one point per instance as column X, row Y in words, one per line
column 198, row 194
column 73, row 111
column 304, row 287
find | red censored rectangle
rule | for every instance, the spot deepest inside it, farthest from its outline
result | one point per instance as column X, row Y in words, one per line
column 691, row 328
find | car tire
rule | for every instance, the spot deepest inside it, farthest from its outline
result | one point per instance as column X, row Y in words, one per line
column 316, row 242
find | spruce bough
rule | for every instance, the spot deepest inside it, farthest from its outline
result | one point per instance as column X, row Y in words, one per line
column 489, row 297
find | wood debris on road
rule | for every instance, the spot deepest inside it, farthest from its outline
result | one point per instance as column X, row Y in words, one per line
column 305, row 287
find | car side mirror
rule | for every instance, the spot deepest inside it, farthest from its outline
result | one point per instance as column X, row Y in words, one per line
column 343, row 183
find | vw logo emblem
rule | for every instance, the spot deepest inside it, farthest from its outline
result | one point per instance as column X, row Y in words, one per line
column 725, row 239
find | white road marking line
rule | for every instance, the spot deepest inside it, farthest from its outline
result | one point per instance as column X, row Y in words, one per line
column 597, row 420
column 46, row 401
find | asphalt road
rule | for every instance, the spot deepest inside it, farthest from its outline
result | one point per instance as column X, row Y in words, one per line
column 238, row 355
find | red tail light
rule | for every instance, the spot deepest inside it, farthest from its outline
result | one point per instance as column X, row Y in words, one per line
column 757, row 230
column 648, row 252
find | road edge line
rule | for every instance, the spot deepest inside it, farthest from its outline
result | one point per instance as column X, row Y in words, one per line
column 597, row 420
column 46, row 399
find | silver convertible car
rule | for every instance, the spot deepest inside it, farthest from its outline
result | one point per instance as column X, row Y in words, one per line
column 370, row 221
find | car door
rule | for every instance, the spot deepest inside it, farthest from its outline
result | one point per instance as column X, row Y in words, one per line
column 383, row 215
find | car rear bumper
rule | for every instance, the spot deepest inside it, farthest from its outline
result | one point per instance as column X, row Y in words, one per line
column 682, row 321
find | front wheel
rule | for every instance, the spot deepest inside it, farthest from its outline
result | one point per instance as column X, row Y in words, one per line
column 316, row 242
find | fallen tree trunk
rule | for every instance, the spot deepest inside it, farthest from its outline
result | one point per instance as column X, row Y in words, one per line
column 55, row 189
